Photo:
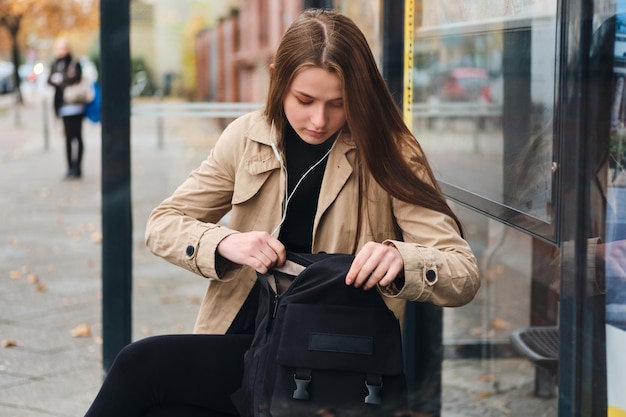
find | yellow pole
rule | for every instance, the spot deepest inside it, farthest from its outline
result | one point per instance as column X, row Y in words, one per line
column 409, row 23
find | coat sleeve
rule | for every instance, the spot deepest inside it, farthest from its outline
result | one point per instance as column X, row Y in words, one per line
column 439, row 265
column 184, row 229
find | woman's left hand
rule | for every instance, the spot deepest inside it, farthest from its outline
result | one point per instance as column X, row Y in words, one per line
column 375, row 264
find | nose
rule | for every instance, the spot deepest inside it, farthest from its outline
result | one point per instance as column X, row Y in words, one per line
column 318, row 116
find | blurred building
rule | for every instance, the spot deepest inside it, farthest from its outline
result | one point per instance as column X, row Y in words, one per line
column 233, row 57
column 161, row 37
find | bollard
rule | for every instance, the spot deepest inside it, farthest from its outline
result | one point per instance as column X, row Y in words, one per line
column 17, row 107
column 160, row 127
column 46, row 127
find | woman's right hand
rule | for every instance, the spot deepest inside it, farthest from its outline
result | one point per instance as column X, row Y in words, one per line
column 258, row 250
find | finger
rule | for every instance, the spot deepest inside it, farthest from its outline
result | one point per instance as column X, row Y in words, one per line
column 387, row 269
column 381, row 272
column 390, row 276
column 365, row 273
column 355, row 271
column 279, row 250
column 358, row 263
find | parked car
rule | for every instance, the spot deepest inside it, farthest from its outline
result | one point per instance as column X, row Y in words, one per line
column 464, row 84
column 7, row 81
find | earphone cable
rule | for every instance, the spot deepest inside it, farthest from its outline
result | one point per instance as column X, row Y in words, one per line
column 295, row 188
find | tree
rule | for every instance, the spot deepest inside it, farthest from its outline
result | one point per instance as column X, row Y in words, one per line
column 44, row 18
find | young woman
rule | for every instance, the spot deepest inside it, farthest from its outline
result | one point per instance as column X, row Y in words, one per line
column 327, row 166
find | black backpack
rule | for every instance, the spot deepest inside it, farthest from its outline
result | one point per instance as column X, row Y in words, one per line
column 322, row 348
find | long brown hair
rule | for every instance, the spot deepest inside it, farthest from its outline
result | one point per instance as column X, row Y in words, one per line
column 386, row 148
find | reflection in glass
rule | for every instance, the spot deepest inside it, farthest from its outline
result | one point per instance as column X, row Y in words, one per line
column 613, row 252
column 483, row 92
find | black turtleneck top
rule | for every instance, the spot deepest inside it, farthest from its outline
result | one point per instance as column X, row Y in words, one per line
column 297, row 230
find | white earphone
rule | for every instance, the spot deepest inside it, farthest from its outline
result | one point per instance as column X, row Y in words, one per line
column 284, row 168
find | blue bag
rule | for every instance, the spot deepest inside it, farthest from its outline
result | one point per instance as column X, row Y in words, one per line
column 92, row 110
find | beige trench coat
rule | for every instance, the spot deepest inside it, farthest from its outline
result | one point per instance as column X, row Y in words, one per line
column 242, row 175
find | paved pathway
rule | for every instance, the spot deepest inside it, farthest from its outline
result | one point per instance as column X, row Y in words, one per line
column 50, row 257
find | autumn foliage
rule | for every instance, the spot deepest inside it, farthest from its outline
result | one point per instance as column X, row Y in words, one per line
column 21, row 20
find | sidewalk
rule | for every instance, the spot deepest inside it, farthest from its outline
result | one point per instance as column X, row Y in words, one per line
column 50, row 273
column 50, row 258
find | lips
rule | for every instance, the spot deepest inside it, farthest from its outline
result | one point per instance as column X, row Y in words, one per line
column 317, row 134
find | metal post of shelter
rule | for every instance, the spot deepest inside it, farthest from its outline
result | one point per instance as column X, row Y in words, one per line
column 116, row 184
column 318, row 4
column 423, row 323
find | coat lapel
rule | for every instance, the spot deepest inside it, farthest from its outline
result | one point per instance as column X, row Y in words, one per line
column 338, row 171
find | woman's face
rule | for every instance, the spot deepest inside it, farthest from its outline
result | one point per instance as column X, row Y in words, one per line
column 314, row 105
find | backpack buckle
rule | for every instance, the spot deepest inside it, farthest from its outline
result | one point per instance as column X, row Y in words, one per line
column 302, row 378
column 374, row 384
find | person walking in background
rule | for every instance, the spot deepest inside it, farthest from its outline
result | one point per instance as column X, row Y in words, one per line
column 65, row 71
column 327, row 166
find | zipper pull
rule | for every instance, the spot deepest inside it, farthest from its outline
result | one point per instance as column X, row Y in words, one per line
column 275, row 306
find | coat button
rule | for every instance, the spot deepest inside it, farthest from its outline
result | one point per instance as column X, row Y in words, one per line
column 190, row 251
column 431, row 276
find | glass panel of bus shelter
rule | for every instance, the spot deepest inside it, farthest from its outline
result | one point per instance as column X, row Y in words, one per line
column 166, row 146
column 367, row 15
column 480, row 375
column 479, row 67
column 483, row 97
column 613, row 16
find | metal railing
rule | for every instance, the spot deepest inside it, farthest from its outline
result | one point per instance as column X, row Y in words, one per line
column 470, row 109
column 196, row 109
column 476, row 112
column 214, row 110
column 161, row 110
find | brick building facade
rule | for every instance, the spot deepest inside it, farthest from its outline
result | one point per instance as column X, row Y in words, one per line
column 232, row 58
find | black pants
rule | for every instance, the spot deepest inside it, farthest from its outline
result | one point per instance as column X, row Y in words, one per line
column 73, row 126
column 174, row 375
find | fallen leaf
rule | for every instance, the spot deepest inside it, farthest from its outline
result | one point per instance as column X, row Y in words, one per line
column 15, row 274
column 170, row 299
column 32, row 279
column 9, row 343
column 41, row 287
column 484, row 394
column 82, row 330
column 96, row 237
column 487, row 378
column 146, row 331
column 499, row 324
column 194, row 299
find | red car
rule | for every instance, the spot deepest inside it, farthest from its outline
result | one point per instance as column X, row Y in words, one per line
column 464, row 84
